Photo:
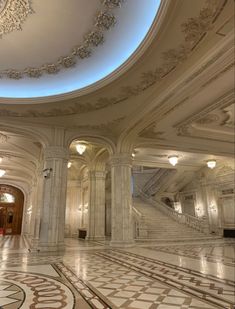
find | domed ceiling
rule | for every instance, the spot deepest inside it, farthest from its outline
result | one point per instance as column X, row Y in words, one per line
column 54, row 47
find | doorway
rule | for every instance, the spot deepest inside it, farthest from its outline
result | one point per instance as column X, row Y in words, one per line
column 11, row 209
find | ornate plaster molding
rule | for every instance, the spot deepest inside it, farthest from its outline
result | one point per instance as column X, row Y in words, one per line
column 13, row 14
column 109, row 126
column 52, row 152
column 218, row 117
column 122, row 159
column 150, row 132
column 103, row 21
column 171, row 59
column 3, row 138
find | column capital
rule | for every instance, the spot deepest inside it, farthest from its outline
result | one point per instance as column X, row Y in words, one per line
column 58, row 152
column 74, row 183
column 121, row 159
column 97, row 174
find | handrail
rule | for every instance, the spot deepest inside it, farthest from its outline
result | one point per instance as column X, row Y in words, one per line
column 199, row 224
column 137, row 212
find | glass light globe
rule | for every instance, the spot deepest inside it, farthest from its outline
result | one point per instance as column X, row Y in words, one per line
column 80, row 148
column 173, row 160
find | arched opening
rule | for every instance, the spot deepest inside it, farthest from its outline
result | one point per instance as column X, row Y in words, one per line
column 87, row 210
column 11, row 209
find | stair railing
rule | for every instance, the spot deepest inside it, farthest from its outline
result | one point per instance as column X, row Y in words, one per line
column 140, row 229
column 200, row 224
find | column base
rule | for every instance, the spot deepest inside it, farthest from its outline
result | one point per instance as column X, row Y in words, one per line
column 48, row 247
column 122, row 244
column 95, row 238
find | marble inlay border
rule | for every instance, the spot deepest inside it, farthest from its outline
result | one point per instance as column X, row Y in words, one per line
column 187, row 284
column 190, row 252
column 84, row 290
column 184, row 269
column 40, row 290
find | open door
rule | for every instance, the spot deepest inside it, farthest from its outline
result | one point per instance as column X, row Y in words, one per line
column 11, row 209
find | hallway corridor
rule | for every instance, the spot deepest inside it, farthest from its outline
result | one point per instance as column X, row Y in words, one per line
column 93, row 275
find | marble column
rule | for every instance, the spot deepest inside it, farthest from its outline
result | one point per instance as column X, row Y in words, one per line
column 73, row 207
column 52, row 215
column 96, row 206
column 122, row 224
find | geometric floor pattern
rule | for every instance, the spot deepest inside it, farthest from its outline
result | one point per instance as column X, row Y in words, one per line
column 93, row 275
column 224, row 253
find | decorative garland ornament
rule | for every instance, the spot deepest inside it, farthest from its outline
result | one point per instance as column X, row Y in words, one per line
column 12, row 15
column 16, row 11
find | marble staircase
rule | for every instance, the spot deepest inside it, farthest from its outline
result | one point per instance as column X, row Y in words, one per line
column 151, row 224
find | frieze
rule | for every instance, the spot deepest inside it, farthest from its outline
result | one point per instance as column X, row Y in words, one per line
column 14, row 14
column 102, row 126
column 57, row 152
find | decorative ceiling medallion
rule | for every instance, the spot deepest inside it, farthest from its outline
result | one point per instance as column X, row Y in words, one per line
column 103, row 21
column 12, row 15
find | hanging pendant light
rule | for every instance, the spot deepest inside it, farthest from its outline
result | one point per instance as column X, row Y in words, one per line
column 211, row 164
column 80, row 148
column 173, row 160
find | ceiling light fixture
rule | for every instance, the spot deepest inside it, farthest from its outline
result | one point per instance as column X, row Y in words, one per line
column 80, row 148
column 69, row 164
column 2, row 172
column 211, row 163
column 173, row 160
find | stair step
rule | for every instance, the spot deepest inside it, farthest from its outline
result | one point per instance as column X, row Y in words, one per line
column 161, row 227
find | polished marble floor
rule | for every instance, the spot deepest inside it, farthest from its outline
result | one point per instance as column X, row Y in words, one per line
column 198, row 275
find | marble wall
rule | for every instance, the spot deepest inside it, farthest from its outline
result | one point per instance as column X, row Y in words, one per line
column 211, row 194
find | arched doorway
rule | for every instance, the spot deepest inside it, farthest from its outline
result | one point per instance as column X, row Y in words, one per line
column 11, row 209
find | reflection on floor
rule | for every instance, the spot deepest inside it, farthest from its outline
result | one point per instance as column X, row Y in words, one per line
column 93, row 275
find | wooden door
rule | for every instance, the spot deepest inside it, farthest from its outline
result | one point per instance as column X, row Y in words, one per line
column 11, row 209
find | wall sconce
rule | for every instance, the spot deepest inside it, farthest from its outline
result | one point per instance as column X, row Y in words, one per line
column 80, row 148
column 212, row 207
column 211, row 164
column 46, row 172
column 1, row 158
column 177, row 207
column 173, row 160
column 2, row 172
column 69, row 164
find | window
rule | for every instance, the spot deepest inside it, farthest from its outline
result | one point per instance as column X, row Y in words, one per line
column 7, row 198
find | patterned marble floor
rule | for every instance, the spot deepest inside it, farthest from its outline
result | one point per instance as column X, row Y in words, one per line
column 93, row 275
